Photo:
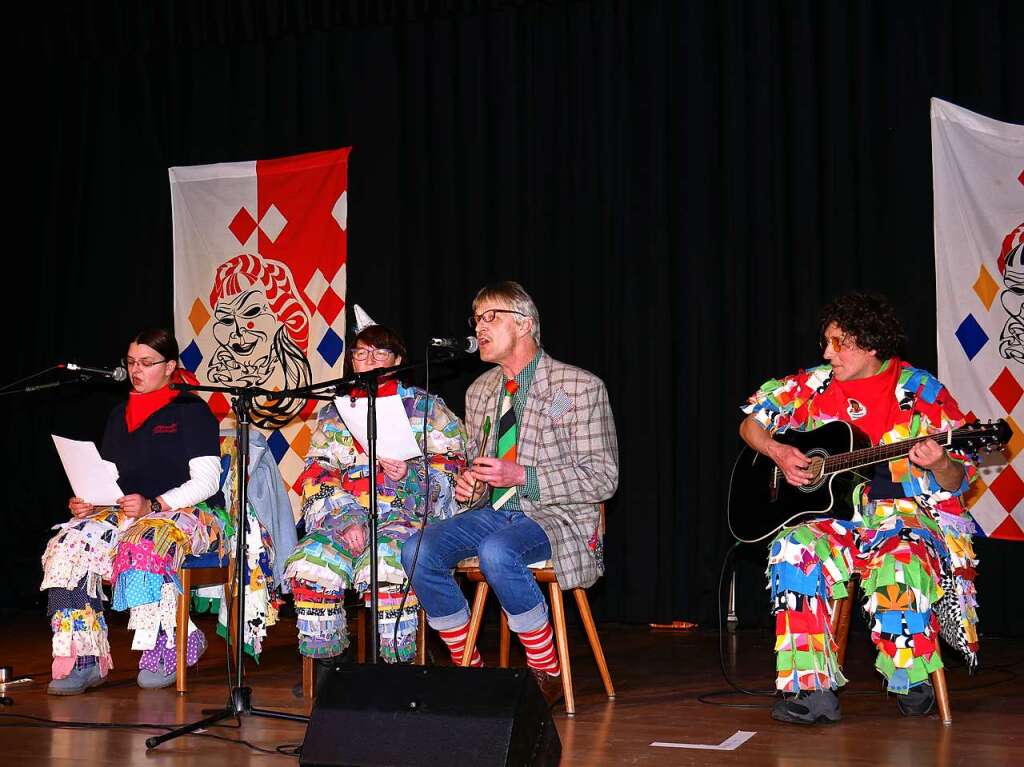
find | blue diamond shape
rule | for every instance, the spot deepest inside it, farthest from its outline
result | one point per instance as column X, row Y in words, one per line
column 278, row 445
column 191, row 357
column 225, row 468
column 331, row 347
column 971, row 336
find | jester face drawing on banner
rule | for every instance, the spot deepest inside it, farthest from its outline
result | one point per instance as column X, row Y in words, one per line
column 262, row 332
column 1011, row 266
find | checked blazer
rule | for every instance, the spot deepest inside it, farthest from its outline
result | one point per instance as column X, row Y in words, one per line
column 568, row 433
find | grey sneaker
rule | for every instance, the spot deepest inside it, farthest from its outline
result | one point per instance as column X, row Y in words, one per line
column 154, row 680
column 77, row 682
column 808, row 707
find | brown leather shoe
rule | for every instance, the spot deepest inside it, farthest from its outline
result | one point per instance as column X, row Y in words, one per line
column 550, row 686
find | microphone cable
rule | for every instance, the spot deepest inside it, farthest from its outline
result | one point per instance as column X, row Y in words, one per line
column 12, row 384
column 735, row 688
column 425, row 515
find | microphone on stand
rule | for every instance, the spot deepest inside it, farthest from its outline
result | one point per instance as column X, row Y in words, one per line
column 117, row 374
column 465, row 344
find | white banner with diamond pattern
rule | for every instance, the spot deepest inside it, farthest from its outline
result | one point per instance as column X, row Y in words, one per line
column 259, row 285
column 978, row 176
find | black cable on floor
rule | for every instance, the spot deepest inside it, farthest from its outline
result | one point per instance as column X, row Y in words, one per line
column 39, row 722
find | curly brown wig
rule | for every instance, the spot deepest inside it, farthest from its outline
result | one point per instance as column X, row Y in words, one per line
column 869, row 319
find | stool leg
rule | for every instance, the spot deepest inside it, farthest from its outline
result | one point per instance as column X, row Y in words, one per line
column 942, row 696
column 475, row 618
column 181, row 631
column 504, row 643
column 595, row 642
column 308, row 678
column 232, row 597
column 421, row 637
column 360, row 635
column 841, row 620
column 562, row 640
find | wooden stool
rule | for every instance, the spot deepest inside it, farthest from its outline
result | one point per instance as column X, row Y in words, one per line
column 544, row 574
column 193, row 577
column 842, row 609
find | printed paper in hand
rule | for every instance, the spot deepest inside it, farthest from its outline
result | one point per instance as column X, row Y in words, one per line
column 89, row 475
column 395, row 439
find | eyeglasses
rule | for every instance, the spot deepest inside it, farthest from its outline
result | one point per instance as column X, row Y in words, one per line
column 838, row 343
column 361, row 353
column 129, row 363
column 487, row 317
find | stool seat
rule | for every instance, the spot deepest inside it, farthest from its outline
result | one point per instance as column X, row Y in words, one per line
column 473, row 563
column 209, row 559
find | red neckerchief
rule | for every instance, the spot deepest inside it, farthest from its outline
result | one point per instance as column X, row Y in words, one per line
column 867, row 403
column 384, row 389
column 142, row 406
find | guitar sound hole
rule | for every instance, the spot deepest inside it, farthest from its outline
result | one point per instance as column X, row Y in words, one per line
column 815, row 467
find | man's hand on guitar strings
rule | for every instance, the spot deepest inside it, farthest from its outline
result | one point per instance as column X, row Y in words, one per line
column 793, row 463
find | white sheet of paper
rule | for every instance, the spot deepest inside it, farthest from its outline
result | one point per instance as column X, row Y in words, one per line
column 394, row 434
column 89, row 474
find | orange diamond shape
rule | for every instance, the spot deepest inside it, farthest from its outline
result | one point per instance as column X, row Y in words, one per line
column 300, row 442
column 977, row 489
column 985, row 287
column 1016, row 442
column 198, row 317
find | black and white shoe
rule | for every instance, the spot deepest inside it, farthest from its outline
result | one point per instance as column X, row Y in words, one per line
column 808, row 707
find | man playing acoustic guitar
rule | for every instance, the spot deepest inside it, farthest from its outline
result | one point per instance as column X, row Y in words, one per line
column 909, row 538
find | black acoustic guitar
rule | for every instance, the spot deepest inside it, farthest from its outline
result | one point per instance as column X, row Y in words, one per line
column 761, row 502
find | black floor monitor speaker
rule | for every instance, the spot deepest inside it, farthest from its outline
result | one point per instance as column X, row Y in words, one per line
column 430, row 716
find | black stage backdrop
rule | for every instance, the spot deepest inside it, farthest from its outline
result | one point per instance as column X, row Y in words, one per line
column 679, row 185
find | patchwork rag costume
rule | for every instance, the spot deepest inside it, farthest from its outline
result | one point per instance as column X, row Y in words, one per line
column 336, row 495
column 163, row 444
column 909, row 540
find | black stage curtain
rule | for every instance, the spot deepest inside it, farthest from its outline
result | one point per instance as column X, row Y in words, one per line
column 679, row 185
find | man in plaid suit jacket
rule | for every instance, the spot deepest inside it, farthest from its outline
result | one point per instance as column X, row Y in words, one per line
column 544, row 457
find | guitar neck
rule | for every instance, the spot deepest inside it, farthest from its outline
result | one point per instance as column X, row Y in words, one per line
column 880, row 453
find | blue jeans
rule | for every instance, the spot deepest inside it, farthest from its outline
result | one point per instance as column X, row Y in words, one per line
column 507, row 542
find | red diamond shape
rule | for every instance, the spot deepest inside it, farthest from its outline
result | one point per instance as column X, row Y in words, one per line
column 297, row 484
column 330, row 305
column 242, row 225
column 219, row 405
column 1008, row 530
column 308, row 408
column 1008, row 488
column 1006, row 389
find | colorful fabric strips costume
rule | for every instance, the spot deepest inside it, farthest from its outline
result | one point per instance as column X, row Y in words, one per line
column 336, row 495
column 151, row 442
column 909, row 541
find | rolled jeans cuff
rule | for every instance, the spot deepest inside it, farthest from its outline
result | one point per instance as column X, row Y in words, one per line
column 531, row 620
column 449, row 622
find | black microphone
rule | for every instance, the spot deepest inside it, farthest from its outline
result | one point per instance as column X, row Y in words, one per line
column 118, row 373
column 467, row 344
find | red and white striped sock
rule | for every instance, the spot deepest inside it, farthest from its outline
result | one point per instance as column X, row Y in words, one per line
column 456, row 641
column 540, row 650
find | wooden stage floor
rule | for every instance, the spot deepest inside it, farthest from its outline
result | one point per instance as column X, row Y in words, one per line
column 658, row 678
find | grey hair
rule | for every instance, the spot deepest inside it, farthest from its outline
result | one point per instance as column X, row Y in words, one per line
column 513, row 294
